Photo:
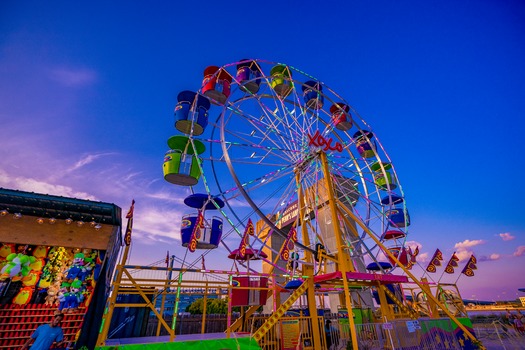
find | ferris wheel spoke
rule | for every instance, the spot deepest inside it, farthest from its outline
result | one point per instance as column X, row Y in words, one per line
column 263, row 160
column 251, row 150
column 263, row 132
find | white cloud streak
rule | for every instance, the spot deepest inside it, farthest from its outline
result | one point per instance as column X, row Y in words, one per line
column 37, row 186
column 463, row 249
column 87, row 159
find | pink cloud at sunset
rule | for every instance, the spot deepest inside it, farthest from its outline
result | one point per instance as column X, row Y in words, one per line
column 506, row 236
column 520, row 251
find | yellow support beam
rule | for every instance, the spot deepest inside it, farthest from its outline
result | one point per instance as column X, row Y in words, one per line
column 344, row 264
column 308, row 267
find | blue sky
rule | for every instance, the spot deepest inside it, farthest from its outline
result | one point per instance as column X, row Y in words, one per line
column 87, row 93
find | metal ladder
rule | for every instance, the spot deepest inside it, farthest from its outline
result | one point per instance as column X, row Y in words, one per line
column 272, row 320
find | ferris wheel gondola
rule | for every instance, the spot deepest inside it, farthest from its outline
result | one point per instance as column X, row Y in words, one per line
column 270, row 130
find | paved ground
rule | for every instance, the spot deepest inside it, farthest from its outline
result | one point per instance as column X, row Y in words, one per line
column 493, row 340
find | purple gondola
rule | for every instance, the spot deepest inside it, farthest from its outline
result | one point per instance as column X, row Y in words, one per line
column 365, row 145
column 249, row 76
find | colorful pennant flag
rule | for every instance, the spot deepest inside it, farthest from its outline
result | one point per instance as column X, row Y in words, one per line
column 472, row 262
column 435, row 261
column 469, row 268
column 412, row 257
column 289, row 244
column 129, row 216
column 196, row 233
column 452, row 263
column 249, row 230
column 414, row 254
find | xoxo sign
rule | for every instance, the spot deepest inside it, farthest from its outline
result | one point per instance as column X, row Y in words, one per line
column 319, row 141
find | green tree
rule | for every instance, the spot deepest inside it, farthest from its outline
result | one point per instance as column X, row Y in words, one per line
column 213, row 306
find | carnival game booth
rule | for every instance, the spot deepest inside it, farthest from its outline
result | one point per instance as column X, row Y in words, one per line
column 56, row 254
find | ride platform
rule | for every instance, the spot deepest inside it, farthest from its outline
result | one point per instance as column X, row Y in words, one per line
column 206, row 341
column 360, row 277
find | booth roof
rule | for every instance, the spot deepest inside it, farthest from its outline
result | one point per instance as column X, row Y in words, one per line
column 48, row 206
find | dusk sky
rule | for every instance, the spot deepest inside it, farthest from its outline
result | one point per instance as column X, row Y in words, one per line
column 87, row 92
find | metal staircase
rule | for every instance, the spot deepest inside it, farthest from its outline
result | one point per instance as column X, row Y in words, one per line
column 405, row 309
column 274, row 318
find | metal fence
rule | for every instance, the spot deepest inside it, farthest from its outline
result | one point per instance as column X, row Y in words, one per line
column 499, row 335
column 425, row 334
column 189, row 324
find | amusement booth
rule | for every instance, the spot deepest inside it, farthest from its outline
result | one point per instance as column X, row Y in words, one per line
column 57, row 254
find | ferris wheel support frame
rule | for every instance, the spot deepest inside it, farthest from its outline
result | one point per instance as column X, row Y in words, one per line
column 344, row 264
column 307, row 268
column 410, row 275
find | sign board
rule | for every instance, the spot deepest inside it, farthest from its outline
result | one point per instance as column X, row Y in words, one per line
column 522, row 299
column 412, row 326
column 290, row 332
column 388, row 325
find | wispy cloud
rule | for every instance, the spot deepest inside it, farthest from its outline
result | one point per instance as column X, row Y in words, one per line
column 37, row 186
column 87, row 159
column 74, row 77
column 520, row 251
column 491, row 257
column 165, row 196
column 466, row 244
column 423, row 257
column 463, row 249
column 506, row 236
column 157, row 224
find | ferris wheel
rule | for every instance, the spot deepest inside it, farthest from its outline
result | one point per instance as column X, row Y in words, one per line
column 258, row 140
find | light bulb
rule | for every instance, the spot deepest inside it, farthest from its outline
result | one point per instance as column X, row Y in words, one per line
column 52, row 221
column 80, row 223
column 4, row 212
column 40, row 221
column 69, row 221
column 98, row 227
column 17, row 216
column 93, row 223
